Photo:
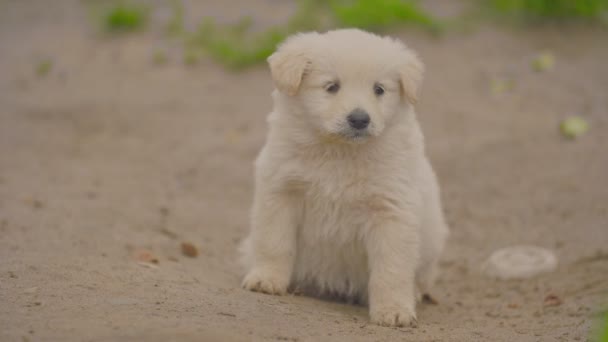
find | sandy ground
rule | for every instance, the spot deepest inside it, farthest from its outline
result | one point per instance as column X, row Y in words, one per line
column 110, row 153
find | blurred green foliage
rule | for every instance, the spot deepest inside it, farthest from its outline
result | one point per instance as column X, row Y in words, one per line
column 381, row 14
column 176, row 24
column 603, row 328
column 44, row 67
column 552, row 9
column 240, row 45
column 159, row 57
column 236, row 47
column 124, row 17
column 232, row 45
column 237, row 51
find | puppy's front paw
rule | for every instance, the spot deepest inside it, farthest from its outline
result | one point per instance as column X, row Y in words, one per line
column 393, row 317
column 265, row 282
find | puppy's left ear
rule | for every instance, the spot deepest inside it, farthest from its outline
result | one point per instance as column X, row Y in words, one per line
column 410, row 73
column 288, row 64
column 287, row 70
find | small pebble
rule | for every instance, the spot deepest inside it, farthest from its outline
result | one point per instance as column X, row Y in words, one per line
column 189, row 250
column 552, row 300
column 519, row 262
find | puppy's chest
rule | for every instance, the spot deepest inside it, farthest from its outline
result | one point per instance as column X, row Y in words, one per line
column 337, row 183
column 336, row 199
column 330, row 251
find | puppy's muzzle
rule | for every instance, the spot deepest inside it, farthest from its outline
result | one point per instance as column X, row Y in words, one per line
column 358, row 119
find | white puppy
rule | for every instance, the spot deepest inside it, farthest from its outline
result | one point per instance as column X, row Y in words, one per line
column 346, row 202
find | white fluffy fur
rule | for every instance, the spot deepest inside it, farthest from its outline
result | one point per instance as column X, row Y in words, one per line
column 354, row 216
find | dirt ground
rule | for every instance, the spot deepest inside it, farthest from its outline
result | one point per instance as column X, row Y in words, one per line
column 109, row 154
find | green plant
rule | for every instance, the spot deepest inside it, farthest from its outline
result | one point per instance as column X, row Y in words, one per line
column 176, row 24
column 236, row 47
column 44, row 67
column 192, row 56
column 551, row 9
column 159, row 57
column 381, row 14
column 232, row 45
column 603, row 328
column 124, row 17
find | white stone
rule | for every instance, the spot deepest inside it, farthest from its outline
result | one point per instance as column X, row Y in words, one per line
column 520, row 262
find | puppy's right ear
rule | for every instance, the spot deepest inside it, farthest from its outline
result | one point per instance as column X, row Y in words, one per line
column 289, row 64
column 411, row 71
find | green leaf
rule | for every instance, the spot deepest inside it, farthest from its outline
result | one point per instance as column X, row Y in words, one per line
column 573, row 127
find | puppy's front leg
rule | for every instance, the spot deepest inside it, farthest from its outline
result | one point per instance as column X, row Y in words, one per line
column 272, row 240
column 392, row 247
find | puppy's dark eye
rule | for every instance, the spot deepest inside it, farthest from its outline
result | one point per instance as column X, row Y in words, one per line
column 332, row 88
column 378, row 89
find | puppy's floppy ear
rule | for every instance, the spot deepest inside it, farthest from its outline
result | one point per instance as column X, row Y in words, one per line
column 411, row 70
column 289, row 64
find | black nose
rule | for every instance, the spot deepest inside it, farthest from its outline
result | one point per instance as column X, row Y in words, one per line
column 358, row 119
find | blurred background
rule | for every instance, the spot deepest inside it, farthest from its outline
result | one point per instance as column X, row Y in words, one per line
column 128, row 130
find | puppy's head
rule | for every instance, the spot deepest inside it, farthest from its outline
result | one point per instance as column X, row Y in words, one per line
column 346, row 83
